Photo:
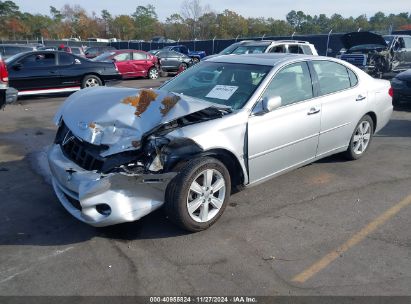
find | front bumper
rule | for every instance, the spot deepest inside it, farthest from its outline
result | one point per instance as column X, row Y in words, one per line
column 103, row 200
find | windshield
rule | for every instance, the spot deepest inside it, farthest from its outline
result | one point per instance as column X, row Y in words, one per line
column 228, row 84
column 229, row 49
column 366, row 47
column 104, row 57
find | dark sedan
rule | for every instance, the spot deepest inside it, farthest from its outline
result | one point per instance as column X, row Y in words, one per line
column 171, row 61
column 401, row 84
column 42, row 72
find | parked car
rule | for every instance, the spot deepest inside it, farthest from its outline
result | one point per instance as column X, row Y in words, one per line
column 225, row 123
column 172, row 61
column 401, row 85
column 268, row 46
column 376, row 54
column 42, row 72
column 8, row 50
column 196, row 56
column 132, row 63
column 94, row 51
column 7, row 94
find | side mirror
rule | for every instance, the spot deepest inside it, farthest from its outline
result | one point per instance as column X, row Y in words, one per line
column 271, row 103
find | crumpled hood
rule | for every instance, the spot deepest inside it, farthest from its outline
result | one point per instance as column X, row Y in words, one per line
column 118, row 117
column 358, row 38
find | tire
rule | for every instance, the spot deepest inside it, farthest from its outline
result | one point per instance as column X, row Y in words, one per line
column 152, row 73
column 195, row 60
column 208, row 205
column 90, row 81
column 182, row 67
column 361, row 138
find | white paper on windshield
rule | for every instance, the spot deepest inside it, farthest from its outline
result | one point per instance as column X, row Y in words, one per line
column 222, row 92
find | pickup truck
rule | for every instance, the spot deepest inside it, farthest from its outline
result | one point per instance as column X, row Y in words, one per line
column 196, row 56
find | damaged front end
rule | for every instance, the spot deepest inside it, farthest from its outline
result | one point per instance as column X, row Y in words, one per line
column 112, row 161
column 367, row 51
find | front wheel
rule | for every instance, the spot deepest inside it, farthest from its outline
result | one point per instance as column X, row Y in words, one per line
column 198, row 195
column 361, row 138
column 195, row 60
column 182, row 67
column 90, row 81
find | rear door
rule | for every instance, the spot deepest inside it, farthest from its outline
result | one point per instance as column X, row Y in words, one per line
column 343, row 102
column 35, row 71
column 140, row 64
column 123, row 63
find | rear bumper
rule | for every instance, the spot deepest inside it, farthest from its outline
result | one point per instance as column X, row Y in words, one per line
column 103, row 200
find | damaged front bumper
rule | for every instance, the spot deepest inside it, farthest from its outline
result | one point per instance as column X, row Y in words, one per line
column 103, row 200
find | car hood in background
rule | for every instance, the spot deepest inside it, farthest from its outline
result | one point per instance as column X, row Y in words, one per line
column 359, row 38
column 119, row 117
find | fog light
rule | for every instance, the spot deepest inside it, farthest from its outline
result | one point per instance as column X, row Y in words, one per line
column 103, row 209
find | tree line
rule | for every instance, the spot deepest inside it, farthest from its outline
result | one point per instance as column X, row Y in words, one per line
column 194, row 21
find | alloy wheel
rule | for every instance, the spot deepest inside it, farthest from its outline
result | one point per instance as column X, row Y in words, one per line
column 361, row 137
column 206, row 195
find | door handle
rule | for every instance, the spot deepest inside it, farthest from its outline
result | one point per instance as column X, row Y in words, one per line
column 360, row 97
column 313, row 111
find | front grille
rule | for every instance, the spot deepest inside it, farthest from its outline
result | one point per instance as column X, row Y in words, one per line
column 81, row 153
column 355, row 59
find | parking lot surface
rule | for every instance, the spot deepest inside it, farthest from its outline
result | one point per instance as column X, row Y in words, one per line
column 330, row 228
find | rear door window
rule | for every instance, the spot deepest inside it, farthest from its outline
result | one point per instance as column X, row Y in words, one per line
column 332, row 76
column 66, row 59
column 295, row 49
column 278, row 49
column 139, row 56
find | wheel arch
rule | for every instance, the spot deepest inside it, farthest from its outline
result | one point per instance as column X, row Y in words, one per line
column 231, row 162
column 374, row 119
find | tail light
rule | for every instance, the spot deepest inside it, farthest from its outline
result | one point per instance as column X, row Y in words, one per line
column 4, row 75
column 391, row 92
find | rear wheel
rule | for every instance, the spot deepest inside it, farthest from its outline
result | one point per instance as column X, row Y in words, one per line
column 361, row 138
column 153, row 73
column 183, row 66
column 90, row 81
column 198, row 195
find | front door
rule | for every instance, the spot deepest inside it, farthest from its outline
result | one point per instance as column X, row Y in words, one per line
column 35, row 71
column 286, row 137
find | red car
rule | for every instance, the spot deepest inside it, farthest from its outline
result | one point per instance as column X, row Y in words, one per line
column 132, row 63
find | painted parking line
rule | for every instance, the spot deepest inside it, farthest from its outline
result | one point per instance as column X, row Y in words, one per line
column 354, row 240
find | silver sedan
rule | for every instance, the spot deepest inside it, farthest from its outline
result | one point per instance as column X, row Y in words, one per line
column 226, row 123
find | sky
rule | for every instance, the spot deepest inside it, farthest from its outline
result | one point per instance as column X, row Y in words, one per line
column 247, row 8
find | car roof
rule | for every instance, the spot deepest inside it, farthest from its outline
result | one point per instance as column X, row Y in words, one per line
column 270, row 59
column 269, row 42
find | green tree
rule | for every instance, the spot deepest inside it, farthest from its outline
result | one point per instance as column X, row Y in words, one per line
column 145, row 20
